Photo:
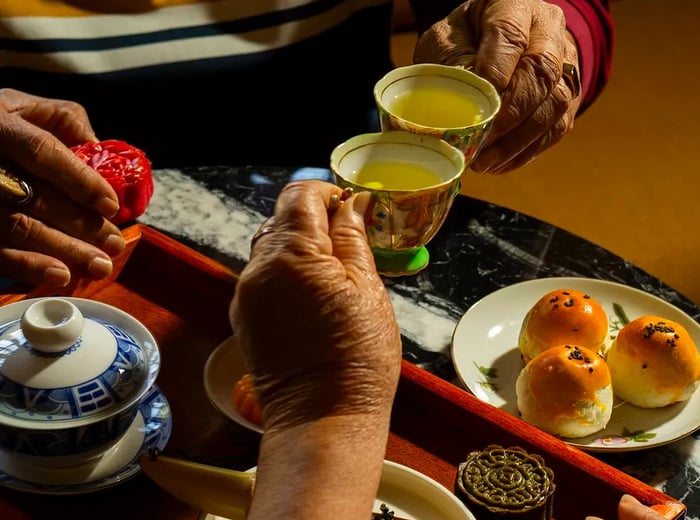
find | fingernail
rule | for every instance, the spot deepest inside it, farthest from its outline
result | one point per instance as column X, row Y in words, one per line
column 100, row 267
column 57, row 276
column 114, row 245
column 360, row 203
column 107, row 207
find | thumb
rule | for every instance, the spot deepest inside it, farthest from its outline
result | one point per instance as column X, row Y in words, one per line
column 348, row 235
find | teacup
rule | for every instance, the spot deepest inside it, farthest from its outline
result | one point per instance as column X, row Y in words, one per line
column 413, row 180
column 446, row 102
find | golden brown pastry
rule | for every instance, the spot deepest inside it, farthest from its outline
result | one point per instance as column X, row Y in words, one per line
column 560, row 317
column 654, row 362
column 566, row 391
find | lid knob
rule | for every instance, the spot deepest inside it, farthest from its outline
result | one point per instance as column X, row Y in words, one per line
column 52, row 325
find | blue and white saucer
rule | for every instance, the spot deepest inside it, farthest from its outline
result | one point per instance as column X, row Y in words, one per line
column 151, row 429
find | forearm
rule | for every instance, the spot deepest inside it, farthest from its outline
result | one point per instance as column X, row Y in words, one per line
column 322, row 470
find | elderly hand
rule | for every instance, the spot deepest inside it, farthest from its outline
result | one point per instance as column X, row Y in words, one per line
column 62, row 230
column 629, row 508
column 520, row 46
column 312, row 315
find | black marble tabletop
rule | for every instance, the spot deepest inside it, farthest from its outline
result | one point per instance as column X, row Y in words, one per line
column 481, row 248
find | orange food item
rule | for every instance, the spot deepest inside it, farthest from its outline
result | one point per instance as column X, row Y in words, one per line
column 654, row 362
column 567, row 391
column 564, row 316
column 245, row 401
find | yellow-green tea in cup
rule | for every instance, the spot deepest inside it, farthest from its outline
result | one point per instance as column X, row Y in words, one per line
column 450, row 103
column 439, row 103
column 386, row 175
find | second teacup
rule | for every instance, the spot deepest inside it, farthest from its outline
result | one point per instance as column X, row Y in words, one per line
column 446, row 102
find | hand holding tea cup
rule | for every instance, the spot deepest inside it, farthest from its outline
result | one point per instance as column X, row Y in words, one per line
column 311, row 313
column 523, row 48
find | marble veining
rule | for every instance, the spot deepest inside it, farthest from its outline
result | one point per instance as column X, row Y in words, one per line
column 211, row 218
column 480, row 249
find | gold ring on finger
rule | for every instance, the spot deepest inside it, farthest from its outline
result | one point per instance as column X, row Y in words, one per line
column 261, row 232
column 570, row 76
column 13, row 189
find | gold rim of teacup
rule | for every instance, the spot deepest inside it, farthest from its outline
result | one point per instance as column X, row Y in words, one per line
column 399, row 137
column 458, row 72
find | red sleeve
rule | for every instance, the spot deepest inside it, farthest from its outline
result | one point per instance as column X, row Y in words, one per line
column 591, row 24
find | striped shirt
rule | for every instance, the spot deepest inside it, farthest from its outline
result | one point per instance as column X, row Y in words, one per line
column 202, row 82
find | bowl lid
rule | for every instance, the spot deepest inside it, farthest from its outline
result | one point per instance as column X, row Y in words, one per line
column 67, row 359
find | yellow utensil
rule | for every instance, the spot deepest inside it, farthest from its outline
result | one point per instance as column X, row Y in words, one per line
column 212, row 489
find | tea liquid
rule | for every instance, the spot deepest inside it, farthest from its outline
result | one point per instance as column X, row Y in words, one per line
column 396, row 176
column 437, row 107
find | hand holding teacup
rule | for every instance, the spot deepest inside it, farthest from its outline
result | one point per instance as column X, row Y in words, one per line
column 522, row 47
column 315, row 254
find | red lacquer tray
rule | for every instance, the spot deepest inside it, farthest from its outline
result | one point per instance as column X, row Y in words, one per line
column 183, row 298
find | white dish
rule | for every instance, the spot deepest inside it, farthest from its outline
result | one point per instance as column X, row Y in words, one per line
column 224, row 367
column 487, row 360
column 411, row 495
column 415, row 496
column 151, row 429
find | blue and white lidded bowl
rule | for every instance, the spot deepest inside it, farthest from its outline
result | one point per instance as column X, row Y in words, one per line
column 73, row 373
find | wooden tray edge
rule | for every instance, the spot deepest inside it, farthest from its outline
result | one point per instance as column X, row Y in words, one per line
column 664, row 504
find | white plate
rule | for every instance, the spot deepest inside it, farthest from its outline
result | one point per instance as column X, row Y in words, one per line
column 151, row 429
column 224, row 367
column 411, row 495
column 487, row 360
column 414, row 496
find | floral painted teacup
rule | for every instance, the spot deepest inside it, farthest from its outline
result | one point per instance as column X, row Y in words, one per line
column 446, row 102
column 413, row 180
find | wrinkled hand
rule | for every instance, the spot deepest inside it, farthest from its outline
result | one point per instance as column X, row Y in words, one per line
column 312, row 315
column 629, row 508
column 520, row 46
column 63, row 230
